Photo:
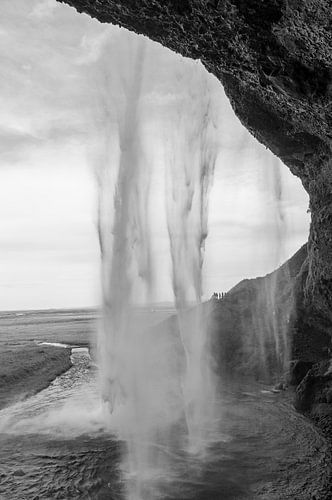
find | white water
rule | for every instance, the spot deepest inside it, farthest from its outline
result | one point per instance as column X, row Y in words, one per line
column 67, row 408
column 191, row 149
column 153, row 382
column 55, row 444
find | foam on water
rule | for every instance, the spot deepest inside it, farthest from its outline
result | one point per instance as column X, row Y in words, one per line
column 70, row 406
column 58, row 444
column 54, row 344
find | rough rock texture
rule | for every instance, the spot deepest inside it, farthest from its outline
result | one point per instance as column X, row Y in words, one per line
column 274, row 58
column 297, row 371
column 260, row 328
column 314, row 395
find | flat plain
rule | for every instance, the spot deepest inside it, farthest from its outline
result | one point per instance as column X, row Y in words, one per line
column 28, row 363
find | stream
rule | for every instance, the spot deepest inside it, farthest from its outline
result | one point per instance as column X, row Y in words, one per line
column 55, row 445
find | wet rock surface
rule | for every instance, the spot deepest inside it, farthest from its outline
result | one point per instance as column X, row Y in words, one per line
column 260, row 325
column 313, row 395
column 297, row 371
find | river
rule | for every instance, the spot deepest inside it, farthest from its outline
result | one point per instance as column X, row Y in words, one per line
column 55, row 445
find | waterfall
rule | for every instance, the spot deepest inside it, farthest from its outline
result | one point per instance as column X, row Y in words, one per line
column 158, row 133
column 124, row 237
column 153, row 380
column 190, row 155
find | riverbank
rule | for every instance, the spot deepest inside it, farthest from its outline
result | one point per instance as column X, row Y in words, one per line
column 26, row 365
column 28, row 369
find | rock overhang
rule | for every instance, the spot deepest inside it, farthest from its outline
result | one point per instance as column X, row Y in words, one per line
column 274, row 59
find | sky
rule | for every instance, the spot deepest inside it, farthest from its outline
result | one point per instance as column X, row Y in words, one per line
column 52, row 90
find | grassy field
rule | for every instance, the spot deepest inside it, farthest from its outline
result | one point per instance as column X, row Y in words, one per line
column 63, row 326
column 29, row 369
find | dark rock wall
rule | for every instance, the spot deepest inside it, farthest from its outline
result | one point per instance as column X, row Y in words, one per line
column 260, row 325
column 274, row 58
column 313, row 396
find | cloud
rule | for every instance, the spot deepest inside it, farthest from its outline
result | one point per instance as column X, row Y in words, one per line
column 44, row 95
column 50, row 86
column 12, row 141
column 43, row 9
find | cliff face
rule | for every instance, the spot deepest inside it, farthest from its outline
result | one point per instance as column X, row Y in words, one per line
column 274, row 59
column 261, row 325
column 261, row 328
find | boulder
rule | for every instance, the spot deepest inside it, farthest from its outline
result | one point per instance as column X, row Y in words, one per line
column 297, row 371
column 314, row 395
